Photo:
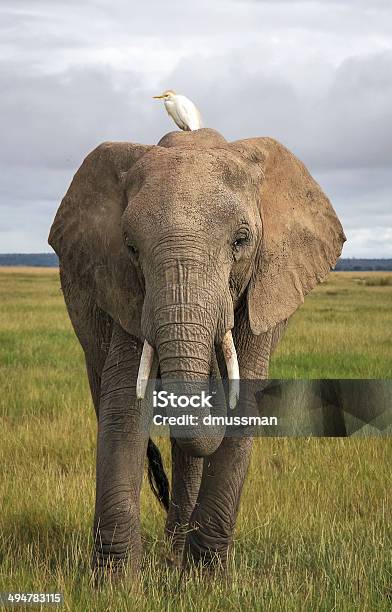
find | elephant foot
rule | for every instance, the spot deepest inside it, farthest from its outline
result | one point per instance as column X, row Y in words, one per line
column 174, row 555
column 175, row 536
column 209, row 560
column 173, row 560
column 210, row 572
column 101, row 577
column 190, row 556
column 115, row 571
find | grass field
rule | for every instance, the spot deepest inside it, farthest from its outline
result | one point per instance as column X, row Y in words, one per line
column 314, row 531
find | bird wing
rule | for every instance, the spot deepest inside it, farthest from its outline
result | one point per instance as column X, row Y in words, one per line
column 188, row 113
column 172, row 111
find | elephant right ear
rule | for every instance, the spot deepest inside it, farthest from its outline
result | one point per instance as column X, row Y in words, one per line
column 86, row 233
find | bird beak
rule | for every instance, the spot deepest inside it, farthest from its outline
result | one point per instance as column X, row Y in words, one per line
column 158, row 97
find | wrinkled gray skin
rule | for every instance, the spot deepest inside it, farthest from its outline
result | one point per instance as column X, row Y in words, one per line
column 177, row 244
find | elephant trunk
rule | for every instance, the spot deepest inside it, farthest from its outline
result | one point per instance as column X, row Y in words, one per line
column 185, row 353
column 184, row 316
column 208, row 437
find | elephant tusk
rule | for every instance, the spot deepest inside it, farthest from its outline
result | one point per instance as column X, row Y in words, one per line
column 233, row 370
column 144, row 370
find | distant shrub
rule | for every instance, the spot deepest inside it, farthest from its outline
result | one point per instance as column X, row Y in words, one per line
column 377, row 281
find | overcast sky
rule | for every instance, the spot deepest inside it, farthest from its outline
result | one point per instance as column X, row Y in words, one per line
column 316, row 75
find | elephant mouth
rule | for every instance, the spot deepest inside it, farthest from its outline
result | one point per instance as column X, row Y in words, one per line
column 231, row 360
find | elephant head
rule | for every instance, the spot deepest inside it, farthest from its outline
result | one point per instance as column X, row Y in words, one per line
column 172, row 240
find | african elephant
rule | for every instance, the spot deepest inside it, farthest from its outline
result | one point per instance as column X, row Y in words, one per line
column 177, row 260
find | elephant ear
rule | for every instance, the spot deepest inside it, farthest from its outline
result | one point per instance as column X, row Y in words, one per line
column 302, row 236
column 86, row 233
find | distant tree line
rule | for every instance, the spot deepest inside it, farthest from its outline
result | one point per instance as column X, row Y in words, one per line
column 50, row 260
column 36, row 260
column 363, row 265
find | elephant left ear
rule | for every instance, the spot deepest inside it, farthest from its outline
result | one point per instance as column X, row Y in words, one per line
column 302, row 236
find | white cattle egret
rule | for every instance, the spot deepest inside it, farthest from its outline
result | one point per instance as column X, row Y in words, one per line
column 181, row 110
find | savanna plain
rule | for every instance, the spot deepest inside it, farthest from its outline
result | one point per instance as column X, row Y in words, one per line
column 314, row 529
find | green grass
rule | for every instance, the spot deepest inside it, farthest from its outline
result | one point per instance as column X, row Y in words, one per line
column 314, row 530
column 343, row 330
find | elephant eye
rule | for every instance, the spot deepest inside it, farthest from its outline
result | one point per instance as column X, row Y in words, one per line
column 131, row 249
column 241, row 239
column 239, row 242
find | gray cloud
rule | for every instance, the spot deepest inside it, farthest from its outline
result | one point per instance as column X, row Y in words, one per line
column 316, row 75
column 348, row 125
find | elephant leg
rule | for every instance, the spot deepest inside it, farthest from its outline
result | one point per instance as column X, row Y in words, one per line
column 121, row 449
column 186, row 478
column 213, row 519
column 93, row 328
